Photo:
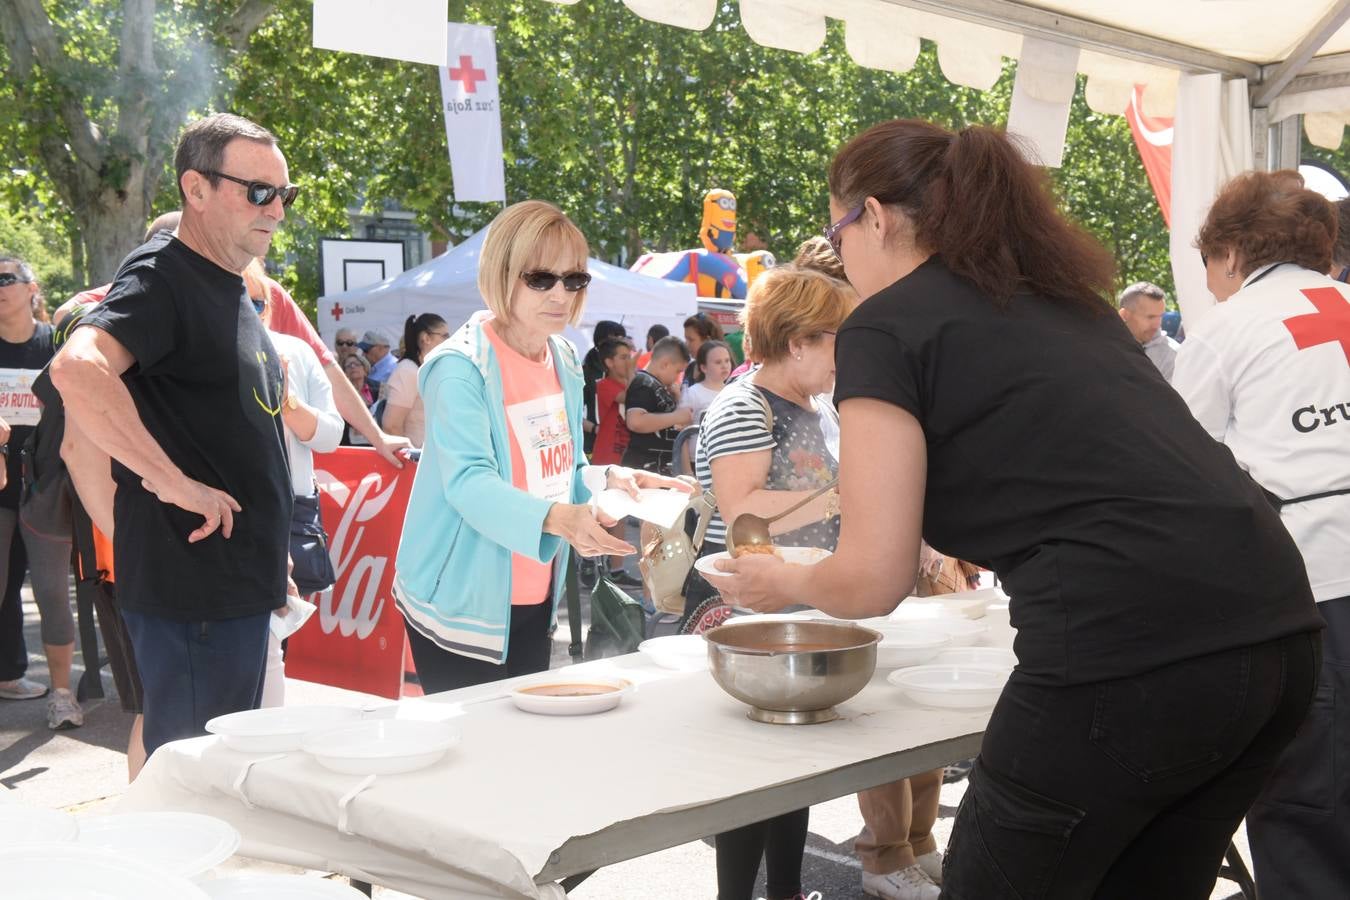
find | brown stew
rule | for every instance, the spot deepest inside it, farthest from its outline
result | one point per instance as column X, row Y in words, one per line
column 569, row 690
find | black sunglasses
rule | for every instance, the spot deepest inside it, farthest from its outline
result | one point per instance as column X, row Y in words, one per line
column 345, row 343
column 542, row 280
column 8, row 278
column 260, row 193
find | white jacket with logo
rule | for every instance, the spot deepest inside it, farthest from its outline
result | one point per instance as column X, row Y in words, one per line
column 1268, row 374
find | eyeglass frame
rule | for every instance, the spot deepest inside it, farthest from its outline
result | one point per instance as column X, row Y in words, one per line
column 525, row 277
column 287, row 192
column 342, row 343
column 831, row 232
column 18, row 279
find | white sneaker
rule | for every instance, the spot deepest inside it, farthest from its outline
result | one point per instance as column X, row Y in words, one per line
column 931, row 863
column 21, row 689
column 909, row 883
column 63, row 711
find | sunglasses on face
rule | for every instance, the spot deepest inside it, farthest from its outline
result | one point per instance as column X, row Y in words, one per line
column 542, row 280
column 832, row 232
column 260, row 193
column 342, row 343
column 8, row 278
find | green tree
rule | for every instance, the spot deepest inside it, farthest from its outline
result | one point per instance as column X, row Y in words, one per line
column 95, row 93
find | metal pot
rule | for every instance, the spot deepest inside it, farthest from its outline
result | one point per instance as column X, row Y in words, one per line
column 792, row 672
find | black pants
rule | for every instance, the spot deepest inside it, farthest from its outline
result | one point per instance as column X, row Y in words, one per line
column 1126, row 789
column 528, row 644
column 1300, row 825
column 780, row 841
column 13, row 648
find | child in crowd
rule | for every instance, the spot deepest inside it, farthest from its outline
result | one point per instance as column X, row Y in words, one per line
column 652, row 411
column 712, row 368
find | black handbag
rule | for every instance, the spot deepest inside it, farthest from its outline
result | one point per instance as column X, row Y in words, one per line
column 618, row 623
column 312, row 566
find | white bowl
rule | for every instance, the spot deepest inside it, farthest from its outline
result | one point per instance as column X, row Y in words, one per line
column 181, row 844
column 963, row 632
column 577, row 695
column 681, row 652
column 904, row 645
column 279, row 887
column 950, row 687
column 381, row 746
column 797, row 556
column 72, row 871
column 277, row 729
column 991, row 657
column 27, row 825
column 963, row 605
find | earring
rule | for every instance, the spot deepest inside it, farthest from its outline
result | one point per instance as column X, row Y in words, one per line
column 1229, row 274
column 799, row 357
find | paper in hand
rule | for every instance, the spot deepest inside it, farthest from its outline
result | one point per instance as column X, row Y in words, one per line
column 660, row 506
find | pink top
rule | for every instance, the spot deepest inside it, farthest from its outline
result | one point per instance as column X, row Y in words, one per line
column 542, row 454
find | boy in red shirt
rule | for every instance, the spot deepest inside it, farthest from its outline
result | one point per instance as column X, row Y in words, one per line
column 611, row 436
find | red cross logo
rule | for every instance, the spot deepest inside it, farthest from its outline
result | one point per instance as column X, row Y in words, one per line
column 1331, row 322
column 467, row 75
column 337, row 312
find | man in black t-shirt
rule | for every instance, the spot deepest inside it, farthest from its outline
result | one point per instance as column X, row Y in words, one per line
column 652, row 410
column 175, row 376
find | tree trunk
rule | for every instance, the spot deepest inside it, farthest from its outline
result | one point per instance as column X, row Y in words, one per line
column 113, row 226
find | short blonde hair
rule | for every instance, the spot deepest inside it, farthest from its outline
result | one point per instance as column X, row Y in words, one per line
column 523, row 237
column 788, row 304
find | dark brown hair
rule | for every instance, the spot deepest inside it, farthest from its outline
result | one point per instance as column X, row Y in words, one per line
column 1270, row 217
column 979, row 205
column 705, row 325
column 1340, row 254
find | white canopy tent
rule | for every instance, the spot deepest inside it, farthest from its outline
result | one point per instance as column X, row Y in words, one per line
column 1240, row 76
column 448, row 286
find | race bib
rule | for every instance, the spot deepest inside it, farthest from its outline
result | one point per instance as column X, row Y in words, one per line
column 545, row 440
column 18, row 406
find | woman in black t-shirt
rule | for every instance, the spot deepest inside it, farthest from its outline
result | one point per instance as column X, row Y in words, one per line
column 991, row 403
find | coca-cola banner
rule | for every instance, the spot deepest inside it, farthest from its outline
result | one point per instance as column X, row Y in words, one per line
column 355, row 640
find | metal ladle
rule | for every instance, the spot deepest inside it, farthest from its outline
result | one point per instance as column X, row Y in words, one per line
column 750, row 529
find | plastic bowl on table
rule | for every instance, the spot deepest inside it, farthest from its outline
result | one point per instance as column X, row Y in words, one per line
column 950, row 687
column 21, row 824
column 903, row 644
column 963, row 632
column 73, row 871
column 277, row 729
column 562, row 694
column 991, row 657
column 182, row 844
column 681, row 652
column 381, row 746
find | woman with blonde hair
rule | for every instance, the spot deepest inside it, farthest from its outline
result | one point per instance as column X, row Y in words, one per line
column 766, row 442
column 503, row 484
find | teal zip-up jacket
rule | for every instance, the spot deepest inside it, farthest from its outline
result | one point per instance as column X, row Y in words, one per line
column 465, row 518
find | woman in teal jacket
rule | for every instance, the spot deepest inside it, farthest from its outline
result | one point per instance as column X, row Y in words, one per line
column 503, row 485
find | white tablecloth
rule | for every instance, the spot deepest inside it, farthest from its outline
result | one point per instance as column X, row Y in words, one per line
column 528, row 798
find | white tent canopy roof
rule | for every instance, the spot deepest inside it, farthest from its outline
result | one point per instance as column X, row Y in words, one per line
column 448, row 286
column 1295, row 55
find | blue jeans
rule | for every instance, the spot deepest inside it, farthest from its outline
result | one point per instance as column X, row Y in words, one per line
column 192, row 672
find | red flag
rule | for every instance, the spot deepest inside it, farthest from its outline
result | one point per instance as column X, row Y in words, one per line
column 355, row 640
column 1153, row 138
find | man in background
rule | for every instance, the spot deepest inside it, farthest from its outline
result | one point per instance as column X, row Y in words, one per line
column 377, row 347
column 344, row 345
column 1141, row 309
column 652, row 410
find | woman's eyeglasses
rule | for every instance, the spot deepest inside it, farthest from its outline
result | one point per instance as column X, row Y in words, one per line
column 542, row 280
column 832, row 232
column 260, row 193
column 8, row 278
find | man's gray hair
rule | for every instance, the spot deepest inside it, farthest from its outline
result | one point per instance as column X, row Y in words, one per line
column 1141, row 289
column 202, row 146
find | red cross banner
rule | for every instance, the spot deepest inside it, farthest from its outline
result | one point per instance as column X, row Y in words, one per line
column 473, row 118
column 1153, row 138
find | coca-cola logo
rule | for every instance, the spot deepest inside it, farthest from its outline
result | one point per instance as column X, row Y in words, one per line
column 355, row 602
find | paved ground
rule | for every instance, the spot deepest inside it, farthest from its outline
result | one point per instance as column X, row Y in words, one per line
column 84, row 771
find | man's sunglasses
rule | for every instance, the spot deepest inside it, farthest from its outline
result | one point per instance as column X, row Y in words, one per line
column 8, row 278
column 260, row 193
column 542, row 280
column 341, row 343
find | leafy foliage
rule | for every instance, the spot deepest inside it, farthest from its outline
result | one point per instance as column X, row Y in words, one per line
column 624, row 123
